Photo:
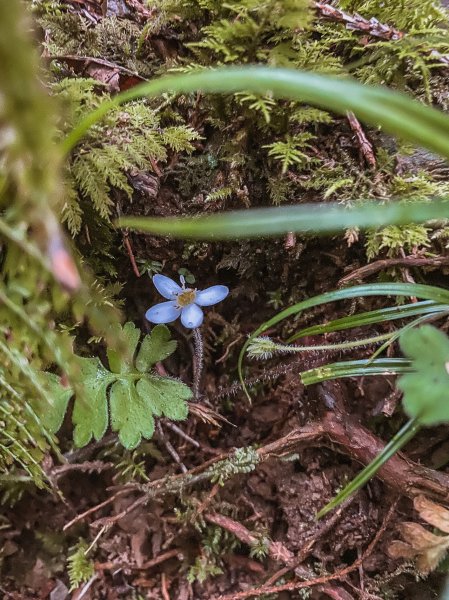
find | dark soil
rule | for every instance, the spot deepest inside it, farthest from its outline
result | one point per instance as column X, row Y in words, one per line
column 148, row 551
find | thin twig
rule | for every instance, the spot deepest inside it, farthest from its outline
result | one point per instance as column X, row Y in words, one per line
column 96, row 465
column 170, row 448
column 386, row 263
column 164, row 588
column 129, row 249
column 295, row 585
column 371, row 27
column 182, row 433
column 93, row 509
column 366, row 148
column 358, row 23
column 112, row 566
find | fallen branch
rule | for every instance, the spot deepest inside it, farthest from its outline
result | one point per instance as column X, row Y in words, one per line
column 297, row 585
column 371, row 27
column 386, row 263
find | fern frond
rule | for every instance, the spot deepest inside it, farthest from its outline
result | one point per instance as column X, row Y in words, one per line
column 80, row 568
column 290, row 152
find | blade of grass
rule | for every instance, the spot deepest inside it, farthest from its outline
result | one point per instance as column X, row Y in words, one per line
column 403, row 436
column 356, row 368
column 399, row 332
column 380, row 315
column 305, row 218
column 425, row 292
column 395, row 112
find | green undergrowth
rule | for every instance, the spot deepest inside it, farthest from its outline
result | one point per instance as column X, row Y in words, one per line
column 62, row 259
column 302, row 153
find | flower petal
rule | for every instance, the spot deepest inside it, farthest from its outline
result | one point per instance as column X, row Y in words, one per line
column 166, row 286
column 164, row 312
column 192, row 316
column 211, row 295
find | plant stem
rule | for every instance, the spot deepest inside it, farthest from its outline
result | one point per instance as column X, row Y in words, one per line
column 198, row 362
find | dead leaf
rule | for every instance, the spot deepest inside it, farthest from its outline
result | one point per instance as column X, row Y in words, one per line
column 428, row 548
column 432, row 513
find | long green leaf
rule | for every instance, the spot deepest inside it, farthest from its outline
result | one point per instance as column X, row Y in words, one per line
column 305, row 218
column 357, row 368
column 380, row 315
column 395, row 112
column 426, row 292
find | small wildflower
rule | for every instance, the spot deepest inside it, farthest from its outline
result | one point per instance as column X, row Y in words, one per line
column 182, row 301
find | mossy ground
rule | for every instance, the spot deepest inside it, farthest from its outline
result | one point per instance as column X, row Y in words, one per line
column 193, row 155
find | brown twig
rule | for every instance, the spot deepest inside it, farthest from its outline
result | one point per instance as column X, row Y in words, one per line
column 202, row 507
column 170, row 448
column 93, row 509
column 182, row 434
column 129, row 249
column 366, row 148
column 371, row 27
column 356, row 22
column 164, row 587
column 94, row 60
column 228, row 348
column 96, row 465
column 111, row 565
column 297, row 585
column 380, row 265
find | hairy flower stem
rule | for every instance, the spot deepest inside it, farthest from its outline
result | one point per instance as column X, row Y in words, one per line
column 264, row 347
column 198, row 362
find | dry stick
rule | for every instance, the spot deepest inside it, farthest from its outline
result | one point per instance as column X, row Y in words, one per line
column 380, row 265
column 295, row 585
column 401, row 474
column 320, row 531
column 366, row 148
column 276, row 550
column 164, row 588
column 96, row 465
column 182, row 433
column 371, row 27
column 129, row 249
column 355, row 22
column 111, row 566
column 94, row 60
column 88, row 512
column 170, row 448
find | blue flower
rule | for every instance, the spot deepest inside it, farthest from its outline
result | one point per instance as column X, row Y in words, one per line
column 183, row 301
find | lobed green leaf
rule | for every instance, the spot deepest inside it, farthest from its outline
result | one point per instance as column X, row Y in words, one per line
column 426, row 390
column 131, row 393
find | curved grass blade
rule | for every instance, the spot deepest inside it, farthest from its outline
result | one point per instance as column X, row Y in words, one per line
column 395, row 112
column 399, row 332
column 304, row 218
column 404, row 435
column 426, row 292
column 380, row 315
column 357, row 368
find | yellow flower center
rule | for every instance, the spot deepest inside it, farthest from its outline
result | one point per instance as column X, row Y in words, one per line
column 185, row 298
